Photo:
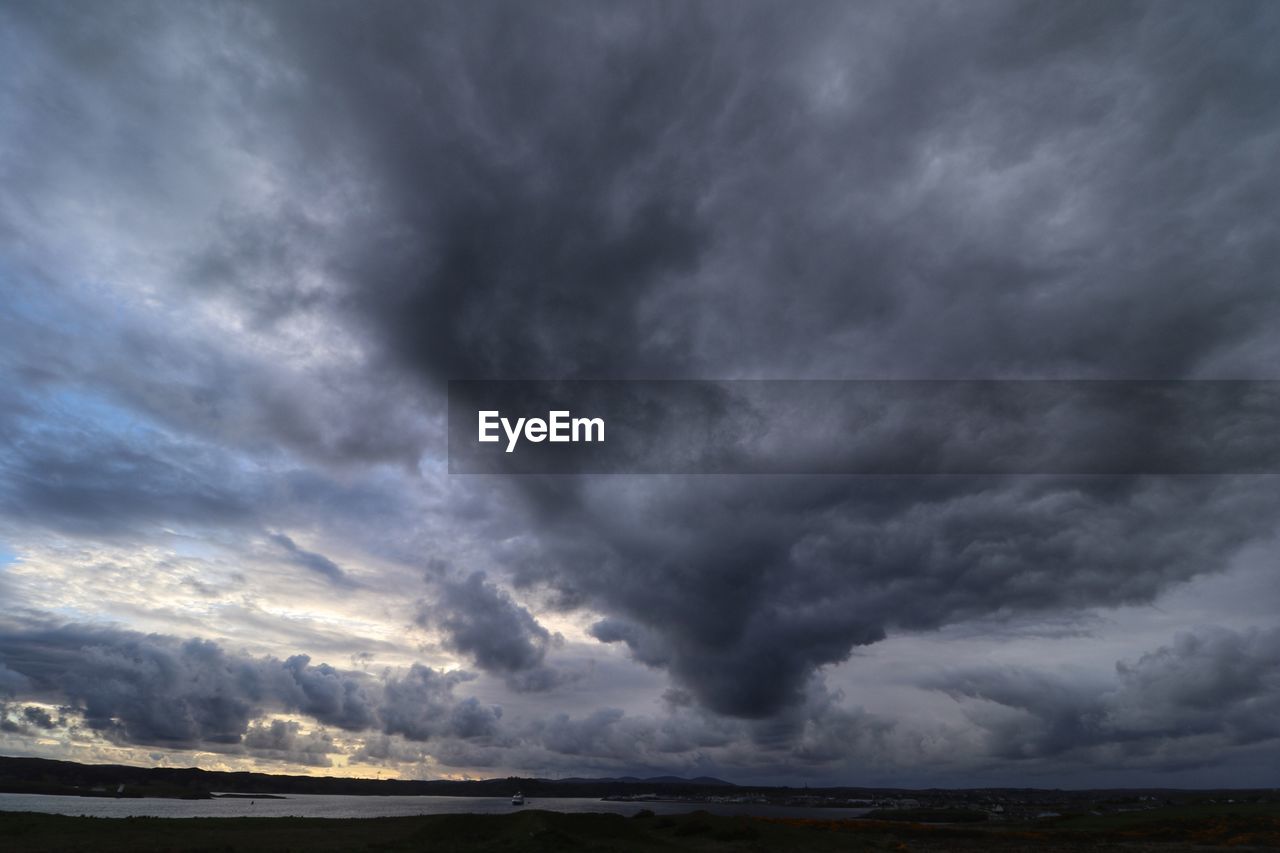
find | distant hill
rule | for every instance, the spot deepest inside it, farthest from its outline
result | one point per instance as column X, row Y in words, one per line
column 46, row 776
column 706, row 781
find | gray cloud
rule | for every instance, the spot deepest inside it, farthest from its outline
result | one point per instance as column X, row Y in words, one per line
column 140, row 689
column 158, row 690
column 38, row 717
column 483, row 622
column 318, row 563
column 283, row 740
column 1184, row 704
column 283, row 257
column 743, row 592
column 96, row 484
column 331, row 696
column 807, row 740
column 742, row 589
column 420, row 706
column 28, row 720
column 11, row 682
column 151, row 690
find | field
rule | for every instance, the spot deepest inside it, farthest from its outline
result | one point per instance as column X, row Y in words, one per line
column 1201, row 828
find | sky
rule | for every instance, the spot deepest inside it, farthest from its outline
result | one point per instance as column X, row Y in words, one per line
column 245, row 246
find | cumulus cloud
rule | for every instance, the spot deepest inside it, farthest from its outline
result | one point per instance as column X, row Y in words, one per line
column 484, row 623
column 151, row 690
column 163, row 691
column 331, row 696
column 1186, row 703
column 420, row 706
column 28, row 720
column 283, row 740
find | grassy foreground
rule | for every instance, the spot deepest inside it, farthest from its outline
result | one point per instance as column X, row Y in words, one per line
column 1219, row 828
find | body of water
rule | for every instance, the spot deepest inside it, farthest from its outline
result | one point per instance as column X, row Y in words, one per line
column 344, row 805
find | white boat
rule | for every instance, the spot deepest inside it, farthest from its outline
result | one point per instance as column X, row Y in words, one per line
column 518, row 799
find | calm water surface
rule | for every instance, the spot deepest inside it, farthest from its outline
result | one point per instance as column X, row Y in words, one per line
column 344, row 805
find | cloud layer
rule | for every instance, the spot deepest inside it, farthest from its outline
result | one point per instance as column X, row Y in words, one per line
column 245, row 246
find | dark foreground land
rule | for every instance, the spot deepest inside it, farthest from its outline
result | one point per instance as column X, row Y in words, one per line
column 1209, row 827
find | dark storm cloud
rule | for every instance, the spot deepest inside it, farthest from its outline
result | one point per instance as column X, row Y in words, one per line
column 603, row 165
column 483, row 622
column 516, row 213
column 999, row 190
column 711, row 190
column 741, row 590
column 158, row 690
column 1183, row 704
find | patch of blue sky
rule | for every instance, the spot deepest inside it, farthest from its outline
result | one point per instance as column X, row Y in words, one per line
column 78, row 408
column 58, row 304
column 89, row 419
column 187, row 546
column 38, row 302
